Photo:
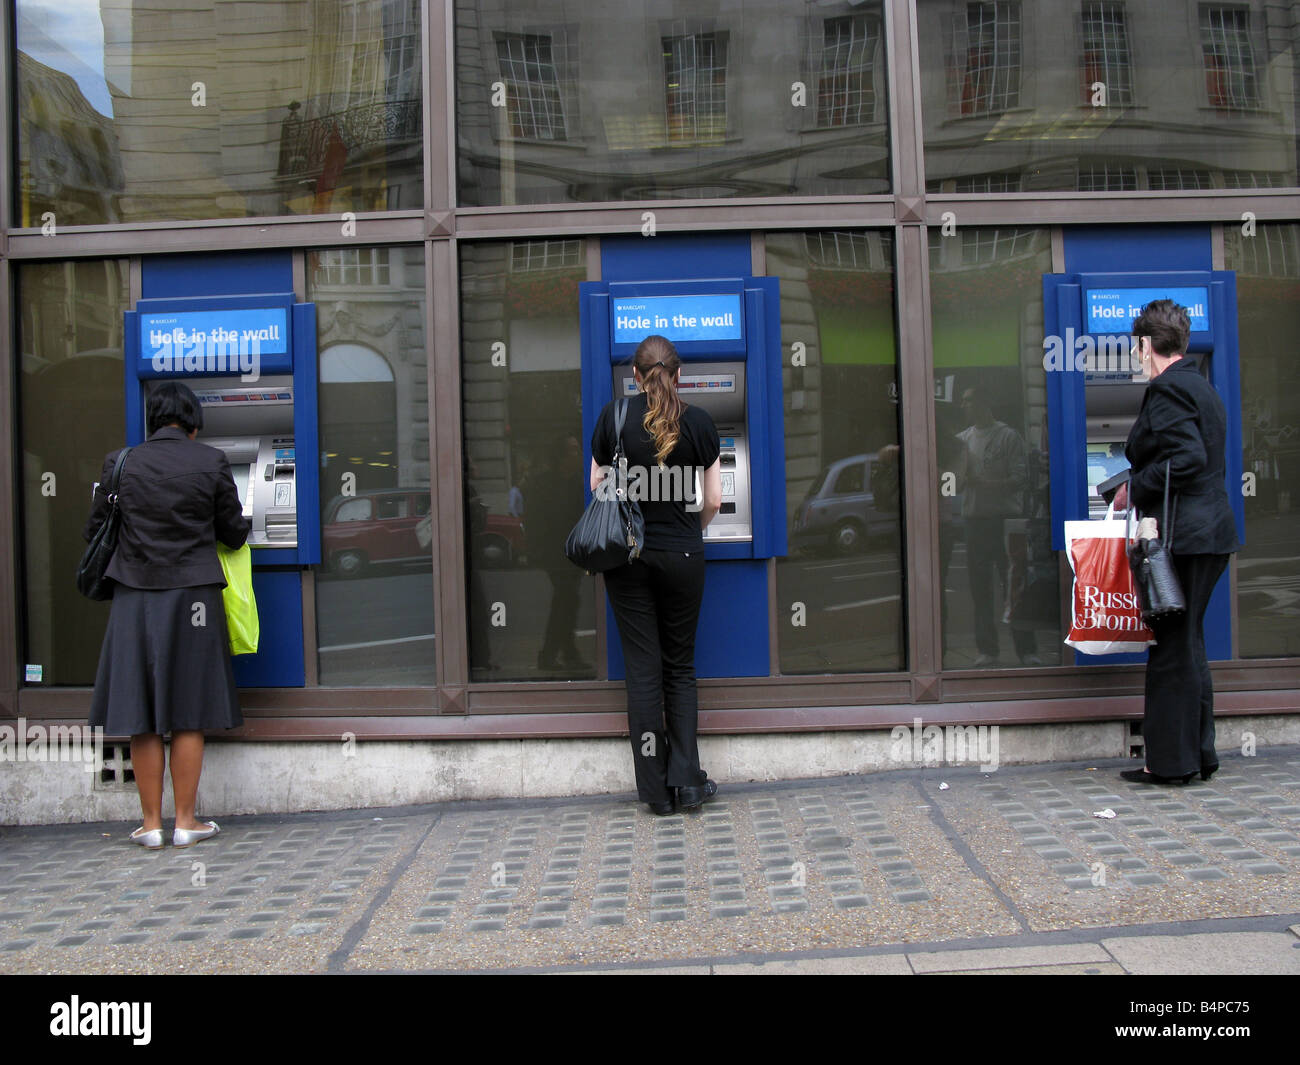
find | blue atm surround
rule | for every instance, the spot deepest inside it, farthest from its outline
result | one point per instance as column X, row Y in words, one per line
column 262, row 280
column 733, row 638
column 1156, row 258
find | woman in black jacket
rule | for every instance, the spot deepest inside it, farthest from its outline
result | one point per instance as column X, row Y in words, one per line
column 165, row 663
column 656, row 599
column 1182, row 423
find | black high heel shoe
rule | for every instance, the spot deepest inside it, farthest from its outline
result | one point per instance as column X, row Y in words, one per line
column 1141, row 776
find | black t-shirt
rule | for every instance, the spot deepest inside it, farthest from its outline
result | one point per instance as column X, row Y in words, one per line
column 664, row 494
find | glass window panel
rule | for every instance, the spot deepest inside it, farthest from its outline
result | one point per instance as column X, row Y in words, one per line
column 840, row 593
column 374, row 587
column 146, row 110
column 70, row 339
column 532, row 613
column 1107, row 95
column 563, row 104
column 1268, row 318
column 999, row 574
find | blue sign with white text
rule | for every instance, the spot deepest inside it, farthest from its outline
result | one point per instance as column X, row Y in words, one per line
column 679, row 318
column 211, row 341
column 1111, row 311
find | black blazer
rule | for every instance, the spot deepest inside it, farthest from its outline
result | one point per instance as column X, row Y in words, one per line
column 177, row 498
column 1183, row 420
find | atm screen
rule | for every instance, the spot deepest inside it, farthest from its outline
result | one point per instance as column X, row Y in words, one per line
column 1105, row 459
column 243, row 474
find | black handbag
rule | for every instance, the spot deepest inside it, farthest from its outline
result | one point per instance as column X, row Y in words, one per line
column 92, row 581
column 1160, row 594
column 611, row 531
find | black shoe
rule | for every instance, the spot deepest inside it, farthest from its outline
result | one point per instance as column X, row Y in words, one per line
column 1141, row 776
column 693, row 797
column 663, row 809
column 1207, row 772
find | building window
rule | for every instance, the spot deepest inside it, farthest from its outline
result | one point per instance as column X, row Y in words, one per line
column 1107, row 177
column 993, row 245
column 528, row 255
column 1106, row 57
column 839, row 250
column 846, row 93
column 1172, row 177
column 1230, row 77
column 1273, row 252
column 353, row 267
column 990, row 73
column 986, row 183
column 695, row 77
column 534, row 105
column 1255, row 179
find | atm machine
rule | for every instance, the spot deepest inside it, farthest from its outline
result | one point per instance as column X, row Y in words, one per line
column 250, row 361
column 727, row 332
column 1094, row 393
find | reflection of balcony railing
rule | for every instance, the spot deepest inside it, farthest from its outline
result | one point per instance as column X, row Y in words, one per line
column 307, row 145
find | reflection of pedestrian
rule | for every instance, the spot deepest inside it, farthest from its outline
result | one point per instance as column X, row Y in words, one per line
column 993, row 490
column 1182, row 422
column 556, row 495
column 515, row 502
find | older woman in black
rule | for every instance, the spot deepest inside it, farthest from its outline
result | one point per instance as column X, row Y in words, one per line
column 165, row 664
column 656, row 599
column 1183, row 423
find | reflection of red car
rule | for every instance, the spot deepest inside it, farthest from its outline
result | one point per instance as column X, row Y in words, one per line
column 375, row 526
column 393, row 525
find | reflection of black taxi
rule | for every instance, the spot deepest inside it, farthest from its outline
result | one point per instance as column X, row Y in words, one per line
column 840, row 512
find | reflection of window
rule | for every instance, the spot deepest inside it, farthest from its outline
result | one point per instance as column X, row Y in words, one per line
column 695, row 76
column 1172, row 177
column 1274, row 251
column 1255, row 179
column 422, row 505
column 988, row 183
column 991, row 74
column 846, row 92
column 545, row 254
column 402, row 49
column 1106, row 52
column 533, row 102
column 851, row 480
column 1107, row 177
column 353, row 266
column 391, row 507
column 353, row 510
column 988, row 245
column 1230, row 78
column 847, row 251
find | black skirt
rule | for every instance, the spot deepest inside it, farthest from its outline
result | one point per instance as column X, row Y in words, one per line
column 165, row 663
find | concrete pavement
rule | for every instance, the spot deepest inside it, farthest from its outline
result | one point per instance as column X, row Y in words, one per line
column 1005, row 872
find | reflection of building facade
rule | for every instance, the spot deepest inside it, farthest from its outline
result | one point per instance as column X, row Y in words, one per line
column 909, row 189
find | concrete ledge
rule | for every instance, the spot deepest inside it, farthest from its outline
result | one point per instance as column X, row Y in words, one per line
column 288, row 777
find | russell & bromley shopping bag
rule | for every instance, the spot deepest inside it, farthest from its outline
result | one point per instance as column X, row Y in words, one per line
column 241, row 607
column 1105, row 615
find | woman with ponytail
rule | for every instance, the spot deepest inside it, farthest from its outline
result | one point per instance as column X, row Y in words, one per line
column 672, row 454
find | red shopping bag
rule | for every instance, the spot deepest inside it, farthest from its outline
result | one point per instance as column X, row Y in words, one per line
column 1105, row 615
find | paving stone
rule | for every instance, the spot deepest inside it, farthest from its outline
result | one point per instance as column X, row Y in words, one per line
column 912, row 896
column 667, row 915
column 1208, row 873
column 420, row 928
column 1265, row 868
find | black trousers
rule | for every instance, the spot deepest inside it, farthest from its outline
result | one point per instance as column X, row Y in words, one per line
column 656, row 602
column 1178, row 725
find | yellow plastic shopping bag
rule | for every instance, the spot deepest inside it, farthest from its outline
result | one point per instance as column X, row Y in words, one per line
column 241, row 606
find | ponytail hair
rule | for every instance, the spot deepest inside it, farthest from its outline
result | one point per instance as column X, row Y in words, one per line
column 657, row 361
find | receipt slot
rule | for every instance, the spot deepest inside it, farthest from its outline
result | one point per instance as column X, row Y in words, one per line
column 1095, row 390
column 727, row 333
column 251, row 362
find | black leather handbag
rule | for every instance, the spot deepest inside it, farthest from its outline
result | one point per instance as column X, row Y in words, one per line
column 92, row 581
column 1160, row 594
column 611, row 531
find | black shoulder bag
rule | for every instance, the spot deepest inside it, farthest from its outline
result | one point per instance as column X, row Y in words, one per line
column 611, row 531
column 1160, row 594
column 92, row 581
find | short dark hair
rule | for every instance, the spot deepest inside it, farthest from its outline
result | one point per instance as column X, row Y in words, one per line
column 172, row 403
column 1167, row 324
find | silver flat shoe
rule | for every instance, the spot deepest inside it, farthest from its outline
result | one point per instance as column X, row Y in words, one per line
column 149, row 838
column 187, row 837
